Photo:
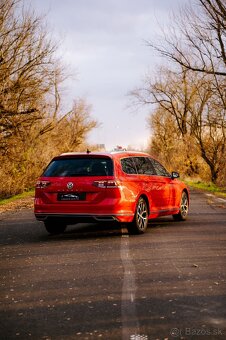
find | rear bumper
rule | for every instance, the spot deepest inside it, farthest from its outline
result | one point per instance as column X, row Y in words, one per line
column 84, row 218
column 109, row 209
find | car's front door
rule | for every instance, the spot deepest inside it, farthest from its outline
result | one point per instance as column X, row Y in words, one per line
column 167, row 184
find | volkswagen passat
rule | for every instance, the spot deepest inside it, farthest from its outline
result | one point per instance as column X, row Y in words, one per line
column 127, row 187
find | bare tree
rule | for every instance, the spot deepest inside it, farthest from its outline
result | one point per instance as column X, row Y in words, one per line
column 191, row 101
column 209, row 127
column 28, row 68
column 194, row 92
column 198, row 40
column 33, row 127
column 176, row 152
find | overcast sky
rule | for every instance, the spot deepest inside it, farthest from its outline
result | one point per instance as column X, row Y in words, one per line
column 103, row 44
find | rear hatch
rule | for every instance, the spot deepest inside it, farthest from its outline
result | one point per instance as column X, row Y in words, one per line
column 76, row 180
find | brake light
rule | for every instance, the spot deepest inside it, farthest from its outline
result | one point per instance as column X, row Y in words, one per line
column 106, row 184
column 42, row 184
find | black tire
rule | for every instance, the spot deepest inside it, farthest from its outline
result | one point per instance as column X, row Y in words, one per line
column 184, row 205
column 140, row 222
column 55, row 228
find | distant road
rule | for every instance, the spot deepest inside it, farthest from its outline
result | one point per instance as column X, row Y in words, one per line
column 97, row 282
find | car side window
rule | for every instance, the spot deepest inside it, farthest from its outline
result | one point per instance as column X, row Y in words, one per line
column 159, row 168
column 128, row 165
column 144, row 166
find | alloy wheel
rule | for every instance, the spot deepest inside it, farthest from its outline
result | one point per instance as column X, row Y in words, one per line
column 142, row 214
column 184, row 205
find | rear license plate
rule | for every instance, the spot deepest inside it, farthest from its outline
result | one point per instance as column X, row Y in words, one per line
column 72, row 196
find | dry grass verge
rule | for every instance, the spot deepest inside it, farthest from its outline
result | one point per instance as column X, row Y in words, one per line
column 17, row 203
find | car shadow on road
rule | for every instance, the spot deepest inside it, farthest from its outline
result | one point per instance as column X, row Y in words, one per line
column 101, row 230
column 29, row 231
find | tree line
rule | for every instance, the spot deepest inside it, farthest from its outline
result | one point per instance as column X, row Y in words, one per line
column 188, row 96
column 33, row 126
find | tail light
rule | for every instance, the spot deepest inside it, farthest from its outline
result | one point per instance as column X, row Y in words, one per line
column 106, row 184
column 42, row 184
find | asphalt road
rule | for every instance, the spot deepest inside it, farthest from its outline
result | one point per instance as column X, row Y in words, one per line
column 97, row 282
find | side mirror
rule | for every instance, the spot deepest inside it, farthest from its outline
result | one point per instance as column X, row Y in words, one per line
column 175, row 174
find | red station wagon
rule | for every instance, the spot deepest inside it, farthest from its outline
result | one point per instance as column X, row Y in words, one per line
column 127, row 187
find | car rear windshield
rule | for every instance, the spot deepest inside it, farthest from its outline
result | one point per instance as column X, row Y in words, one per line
column 71, row 167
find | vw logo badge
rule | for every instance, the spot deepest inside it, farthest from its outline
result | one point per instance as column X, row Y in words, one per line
column 70, row 185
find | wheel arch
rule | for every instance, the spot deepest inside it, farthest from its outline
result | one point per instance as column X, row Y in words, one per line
column 187, row 193
column 146, row 200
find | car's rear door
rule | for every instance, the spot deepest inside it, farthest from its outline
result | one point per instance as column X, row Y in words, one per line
column 156, row 187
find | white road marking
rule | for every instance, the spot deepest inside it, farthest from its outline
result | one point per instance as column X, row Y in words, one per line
column 216, row 198
column 130, row 323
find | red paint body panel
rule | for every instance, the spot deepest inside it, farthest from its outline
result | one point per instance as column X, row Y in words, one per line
column 53, row 198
